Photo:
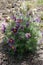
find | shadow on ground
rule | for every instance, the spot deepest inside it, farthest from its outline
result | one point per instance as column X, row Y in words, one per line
column 28, row 59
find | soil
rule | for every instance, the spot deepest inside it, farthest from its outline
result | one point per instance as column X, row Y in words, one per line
column 8, row 7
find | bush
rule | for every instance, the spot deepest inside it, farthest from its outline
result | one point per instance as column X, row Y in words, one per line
column 21, row 36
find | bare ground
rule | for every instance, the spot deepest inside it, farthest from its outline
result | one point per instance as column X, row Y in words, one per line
column 5, row 59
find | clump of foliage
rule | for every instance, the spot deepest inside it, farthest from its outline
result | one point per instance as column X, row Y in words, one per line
column 21, row 36
column 40, row 2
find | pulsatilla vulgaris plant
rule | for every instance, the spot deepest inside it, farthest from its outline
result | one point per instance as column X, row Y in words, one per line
column 21, row 36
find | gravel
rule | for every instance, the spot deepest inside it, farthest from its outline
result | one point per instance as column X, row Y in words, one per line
column 8, row 8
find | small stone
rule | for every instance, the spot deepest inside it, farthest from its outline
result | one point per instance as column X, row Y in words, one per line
column 3, row 55
column 1, row 61
column 23, row 63
column 41, row 56
column 0, row 56
column 40, row 51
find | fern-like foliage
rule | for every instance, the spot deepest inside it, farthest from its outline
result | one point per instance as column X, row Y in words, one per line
column 21, row 36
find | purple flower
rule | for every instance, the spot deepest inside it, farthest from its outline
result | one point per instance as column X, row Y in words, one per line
column 3, row 28
column 28, row 35
column 14, row 18
column 11, row 41
column 37, row 19
column 17, row 25
column 14, row 30
column 12, row 47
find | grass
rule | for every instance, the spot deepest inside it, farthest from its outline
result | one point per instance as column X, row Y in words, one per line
column 40, row 2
